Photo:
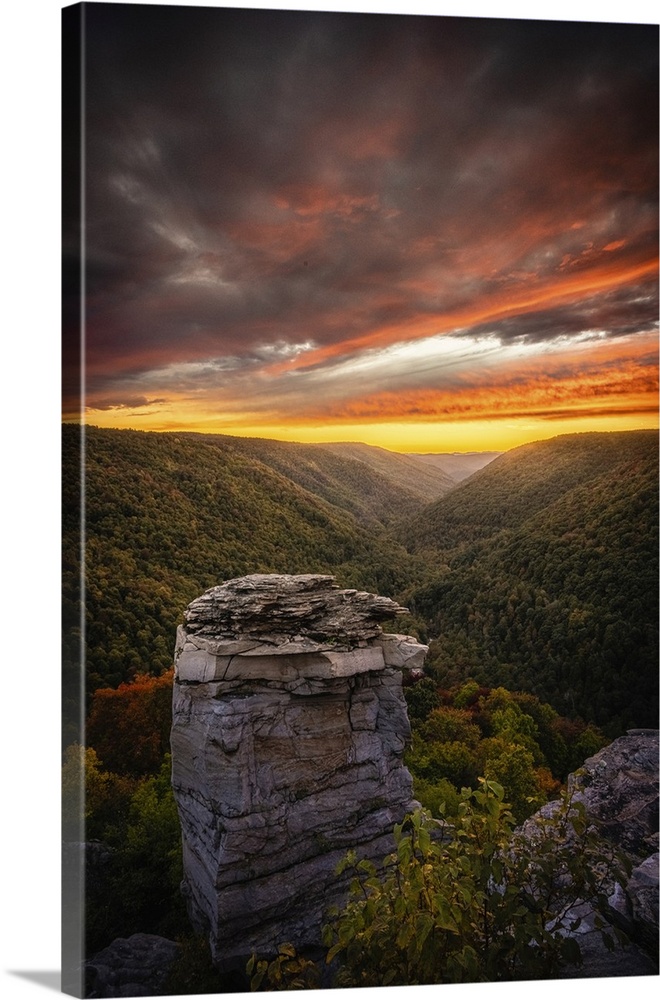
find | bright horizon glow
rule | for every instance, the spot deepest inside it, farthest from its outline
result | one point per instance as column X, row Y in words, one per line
column 424, row 438
column 451, row 392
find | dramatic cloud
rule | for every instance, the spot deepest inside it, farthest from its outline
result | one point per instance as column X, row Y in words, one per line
column 296, row 218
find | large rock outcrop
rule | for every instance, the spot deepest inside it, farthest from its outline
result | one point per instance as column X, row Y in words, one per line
column 618, row 788
column 289, row 725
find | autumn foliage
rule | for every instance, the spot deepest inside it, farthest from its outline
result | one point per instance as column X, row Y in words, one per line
column 129, row 727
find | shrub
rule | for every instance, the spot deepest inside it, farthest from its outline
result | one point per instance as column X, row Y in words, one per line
column 512, row 765
column 440, row 797
column 470, row 901
column 289, row 971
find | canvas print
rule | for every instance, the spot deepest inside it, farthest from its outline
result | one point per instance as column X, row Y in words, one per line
column 360, row 500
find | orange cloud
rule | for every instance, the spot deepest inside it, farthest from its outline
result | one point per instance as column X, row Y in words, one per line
column 517, row 301
column 610, row 379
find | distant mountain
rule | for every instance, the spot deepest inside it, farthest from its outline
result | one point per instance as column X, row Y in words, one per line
column 523, row 482
column 410, row 472
column 458, row 465
column 547, row 576
column 375, row 485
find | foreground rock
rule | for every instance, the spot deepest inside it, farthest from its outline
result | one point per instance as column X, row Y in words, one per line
column 289, row 725
column 618, row 787
column 137, row 966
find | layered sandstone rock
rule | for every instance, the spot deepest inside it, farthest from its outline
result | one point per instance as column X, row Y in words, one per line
column 289, row 725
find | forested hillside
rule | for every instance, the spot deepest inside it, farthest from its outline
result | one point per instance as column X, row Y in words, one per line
column 423, row 480
column 536, row 581
column 457, row 465
column 375, row 485
column 523, row 482
column 547, row 576
column 168, row 516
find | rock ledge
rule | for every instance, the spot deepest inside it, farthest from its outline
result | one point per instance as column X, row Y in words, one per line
column 288, row 608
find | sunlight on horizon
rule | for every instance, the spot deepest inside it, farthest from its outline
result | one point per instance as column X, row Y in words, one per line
column 403, row 437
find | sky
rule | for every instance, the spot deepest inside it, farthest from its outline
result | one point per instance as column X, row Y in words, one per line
column 425, row 233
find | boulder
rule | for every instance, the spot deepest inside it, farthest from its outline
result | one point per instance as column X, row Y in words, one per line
column 635, row 906
column 289, row 726
column 280, row 607
column 137, row 966
column 619, row 788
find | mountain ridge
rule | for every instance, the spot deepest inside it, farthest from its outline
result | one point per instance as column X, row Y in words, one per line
column 555, row 591
column 424, row 480
column 457, row 464
column 375, row 485
column 507, row 490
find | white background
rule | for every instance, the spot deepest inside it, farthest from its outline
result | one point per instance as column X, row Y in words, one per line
column 30, row 338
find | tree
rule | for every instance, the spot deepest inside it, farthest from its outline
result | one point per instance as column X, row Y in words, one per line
column 138, row 886
column 421, row 698
column 512, row 765
column 454, row 761
column 95, row 802
column 151, row 856
column 129, row 727
column 447, row 724
column 467, row 694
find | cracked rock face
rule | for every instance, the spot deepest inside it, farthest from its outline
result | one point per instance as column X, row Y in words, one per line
column 280, row 607
column 289, row 725
column 618, row 787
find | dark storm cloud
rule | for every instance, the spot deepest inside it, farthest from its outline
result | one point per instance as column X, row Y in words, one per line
column 264, row 177
column 617, row 313
column 127, row 403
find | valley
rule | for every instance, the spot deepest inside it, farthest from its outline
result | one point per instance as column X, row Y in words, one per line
column 538, row 571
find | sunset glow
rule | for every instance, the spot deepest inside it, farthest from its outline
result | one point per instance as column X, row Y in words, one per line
column 428, row 234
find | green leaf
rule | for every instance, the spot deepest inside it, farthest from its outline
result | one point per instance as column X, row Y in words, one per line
column 334, row 951
column 424, row 927
column 570, row 951
column 608, row 941
column 444, row 918
column 404, row 936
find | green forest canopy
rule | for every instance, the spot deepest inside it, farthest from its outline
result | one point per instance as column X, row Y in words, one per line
column 547, row 576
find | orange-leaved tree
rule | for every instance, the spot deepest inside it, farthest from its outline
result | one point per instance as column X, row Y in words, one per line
column 129, row 727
